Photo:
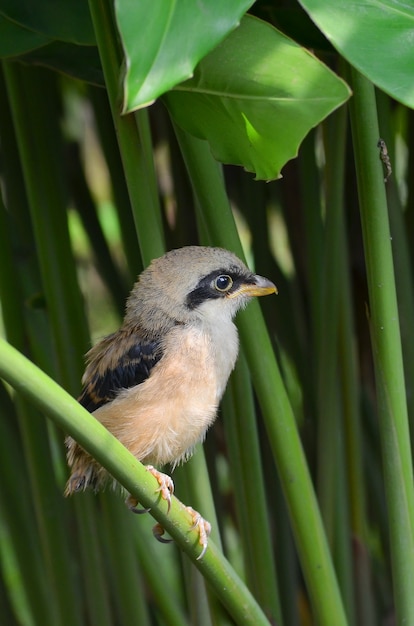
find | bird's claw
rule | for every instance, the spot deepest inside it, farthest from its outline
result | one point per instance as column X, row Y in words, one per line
column 203, row 527
column 158, row 532
column 132, row 503
column 166, row 489
column 166, row 484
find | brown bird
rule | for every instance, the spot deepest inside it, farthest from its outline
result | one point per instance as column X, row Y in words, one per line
column 156, row 383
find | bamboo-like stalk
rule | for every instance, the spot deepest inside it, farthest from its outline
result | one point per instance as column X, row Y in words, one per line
column 133, row 139
column 386, row 343
column 109, row 452
column 353, row 443
column 39, row 139
column 280, row 422
column 19, row 534
column 332, row 494
column 153, row 558
column 86, row 208
column 327, row 347
column 110, row 148
column 401, row 256
column 250, row 492
column 126, row 582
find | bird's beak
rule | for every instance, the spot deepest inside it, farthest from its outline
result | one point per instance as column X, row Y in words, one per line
column 261, row 287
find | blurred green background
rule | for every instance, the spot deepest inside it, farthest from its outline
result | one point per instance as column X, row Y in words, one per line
column 307, row 473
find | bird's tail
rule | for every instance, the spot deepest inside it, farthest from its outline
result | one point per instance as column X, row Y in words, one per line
column 85, row 473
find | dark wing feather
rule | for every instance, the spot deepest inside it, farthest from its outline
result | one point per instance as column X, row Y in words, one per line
column 111, row 369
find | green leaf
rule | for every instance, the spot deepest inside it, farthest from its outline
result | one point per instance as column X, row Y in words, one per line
column 164, row 41
column 255, row 97
column 16, row 40
column 375, row 37
column 81, row 62
column 56, row 19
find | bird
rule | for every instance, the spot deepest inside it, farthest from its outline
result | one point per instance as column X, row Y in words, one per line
column 156, row 383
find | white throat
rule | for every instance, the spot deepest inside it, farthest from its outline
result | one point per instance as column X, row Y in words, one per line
column 217, row 324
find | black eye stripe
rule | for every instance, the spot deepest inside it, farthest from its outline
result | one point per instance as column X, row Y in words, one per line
column 206, row 288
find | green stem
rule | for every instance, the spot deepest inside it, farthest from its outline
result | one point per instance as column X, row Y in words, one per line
column 151, row 560
column 401, row 256
column 49, row 397
column 250, row 496
column 32, row 580
column 133, row 139
column 86, row 208
column 110, row 148
column 356, row 480
column 125, row 579
column 280, row 422
column 332, row 494
column 386, row 342
column 327, row 337
column 39, row 143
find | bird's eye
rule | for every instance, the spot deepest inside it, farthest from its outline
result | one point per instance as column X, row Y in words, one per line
column 223, row 282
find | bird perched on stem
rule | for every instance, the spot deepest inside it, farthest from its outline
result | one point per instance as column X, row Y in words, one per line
column 156, row 383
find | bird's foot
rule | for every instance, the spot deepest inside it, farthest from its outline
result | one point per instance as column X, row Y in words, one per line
column 158, row 532
column 203, row 527
column 132, row 504
column 166, row 484
column 166, row 489
column 199, row 523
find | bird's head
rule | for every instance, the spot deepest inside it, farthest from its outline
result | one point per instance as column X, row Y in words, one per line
column 193, row 282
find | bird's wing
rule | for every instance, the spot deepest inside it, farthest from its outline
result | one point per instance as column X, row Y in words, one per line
column 119, row 361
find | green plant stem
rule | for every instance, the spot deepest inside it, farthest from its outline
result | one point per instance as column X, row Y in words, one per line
column 332, row 492
column 86, row 208
column 126, row 582
column 133, row 138
column 280, row 422
column 356, row 480
column 386, row 343
column 110, row 147
column 152, row 559
column 39, row 140
column 249, row 493
column 309, row 178
column 193, row 483
column 17, row 525
column 401, row 257
column 111, row 454
column 327, row 335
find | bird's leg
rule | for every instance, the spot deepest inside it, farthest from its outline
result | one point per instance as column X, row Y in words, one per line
column 166, row 489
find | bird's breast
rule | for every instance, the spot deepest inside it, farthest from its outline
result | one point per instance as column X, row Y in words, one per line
column 162, row 419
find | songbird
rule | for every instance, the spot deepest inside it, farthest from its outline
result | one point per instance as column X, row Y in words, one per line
column 156, row 383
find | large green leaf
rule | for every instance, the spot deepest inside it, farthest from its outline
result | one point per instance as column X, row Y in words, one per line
column 16, row 40
column 80, row 62
column 164, row 41
column 375, row 36
column 55, row 19
column 255, row 97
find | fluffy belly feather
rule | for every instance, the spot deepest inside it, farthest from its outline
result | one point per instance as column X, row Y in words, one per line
column 161, row 420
